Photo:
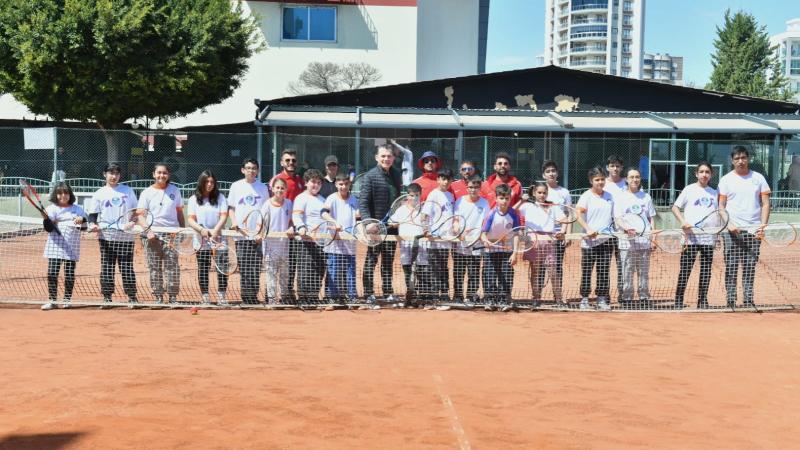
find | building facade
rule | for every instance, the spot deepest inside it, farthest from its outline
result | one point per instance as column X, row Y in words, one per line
column 788, row 48
column 662, row 68
column 602, row 36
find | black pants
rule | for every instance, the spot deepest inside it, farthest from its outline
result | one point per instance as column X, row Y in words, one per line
column 471, row 266
column 498, row 276
column 599, row 255
column 53, row 267
column 742, row 248
column 439, row 260
column 114, row 253
column 203, row 266
column 386, row 251
column 311, row 271
column 249, row 255
column 559, row 248
column 688, row 257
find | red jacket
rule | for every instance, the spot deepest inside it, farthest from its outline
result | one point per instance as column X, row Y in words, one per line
column 459, row 188
column 294, row 184
column 428, row 183
column 488, row 186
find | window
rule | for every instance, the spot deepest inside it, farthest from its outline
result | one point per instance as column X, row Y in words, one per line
column 794, row 69
column 614, row 45
column 626, row 33
column 795, row 49
column 626, row 61
column 614, row 60
column 626, row 73
column 309, row 23
column 627, row 6
column 626, row 47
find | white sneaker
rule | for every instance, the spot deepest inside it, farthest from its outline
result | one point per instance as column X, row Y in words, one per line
column 602, row 304
column 221, row 299
column 585, row 304
column 48, row 306
column 443, row 308
column 66, row 303
column 205, row 299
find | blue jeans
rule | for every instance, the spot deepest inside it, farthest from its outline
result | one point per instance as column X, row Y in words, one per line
column 342, row 273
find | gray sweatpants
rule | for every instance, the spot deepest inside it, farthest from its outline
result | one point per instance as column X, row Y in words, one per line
column 635, row 263
column 162, row 260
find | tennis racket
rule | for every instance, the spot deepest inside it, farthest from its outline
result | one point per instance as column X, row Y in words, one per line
column 714, row 222
column 516, row 240
column 566, row 214
column 670, row 241
column 32, row 196
column 223, row 256
column 372, row 232
column 252, row 225
column 779, row 234
column 321, row 234
column 181, row 241
column 449, row 229
column 133, row 221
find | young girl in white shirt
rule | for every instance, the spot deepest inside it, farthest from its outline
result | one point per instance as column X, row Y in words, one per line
column 208, row 213
column 63, row 247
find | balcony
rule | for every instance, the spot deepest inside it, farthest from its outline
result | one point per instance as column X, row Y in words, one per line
column 589, row 6
column 587, row 63
column 588, row 49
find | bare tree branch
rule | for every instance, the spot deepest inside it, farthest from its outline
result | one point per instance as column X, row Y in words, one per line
column 332, row 77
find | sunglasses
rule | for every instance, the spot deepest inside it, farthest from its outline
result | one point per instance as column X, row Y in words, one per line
column 287, row 160
column 428, row 161
column 468, row 169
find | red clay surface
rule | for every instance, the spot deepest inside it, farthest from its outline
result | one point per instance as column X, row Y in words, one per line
column 397, row 379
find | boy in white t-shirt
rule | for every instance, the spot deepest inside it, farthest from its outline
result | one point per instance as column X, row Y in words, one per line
column 474, row 209
column 306, row 216
column 744, row 195
column 557, row 195
column 245, row 196
column 440, row 250
column 410, row 253
column 595, row 214
column 108, row 204
column 615, row 185
column 165, row 203
column 341, row 207
column 635, row 252
column 498, row 272
column 278, row 211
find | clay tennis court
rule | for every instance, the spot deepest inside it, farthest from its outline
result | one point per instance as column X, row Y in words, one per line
column 86, row 378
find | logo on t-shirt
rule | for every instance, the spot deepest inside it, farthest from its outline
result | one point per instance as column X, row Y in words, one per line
column 116, row 201
column 249, row 200
column 704, row 202
column 508, row 225
column 636, row 209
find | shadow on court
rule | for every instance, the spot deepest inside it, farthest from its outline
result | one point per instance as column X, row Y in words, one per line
column 41, row 441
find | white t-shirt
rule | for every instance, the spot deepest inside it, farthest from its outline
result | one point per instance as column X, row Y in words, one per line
column 280, row 218
column 497, row 225
column 306, row 211
column 110, row 204
column 245, row 197
column 206, row 215
column 617, row 188
column 407, row 229
column 641, row 204
column 163, row 204
column 474, row 214
column 407, row 165
column 744, row 197
column 697, row 202
column 446, row 201
column 599, row 211
column 539, row 219
column 559, row 195
column 66, row 245
column 343, row 212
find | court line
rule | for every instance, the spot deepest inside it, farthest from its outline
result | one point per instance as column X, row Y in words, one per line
column 463, row 442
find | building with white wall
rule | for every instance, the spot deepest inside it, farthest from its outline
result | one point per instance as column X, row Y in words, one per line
column 788, row 44
column 407, row 40
column 662, row 68
column 602, row 36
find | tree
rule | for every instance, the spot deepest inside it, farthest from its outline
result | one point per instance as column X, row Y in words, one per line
column 744, row 63
column 111, row 60
column 332, row 77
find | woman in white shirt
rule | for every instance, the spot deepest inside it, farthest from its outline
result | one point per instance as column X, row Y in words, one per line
column 208, row 213
column 165, row 203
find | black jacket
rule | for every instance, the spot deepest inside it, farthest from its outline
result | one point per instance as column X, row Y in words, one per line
column 377, row 192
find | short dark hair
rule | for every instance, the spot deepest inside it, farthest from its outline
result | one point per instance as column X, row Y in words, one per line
column 548, row 164
column 703, row 163
column 388, row 147
column 112, row 167
column 595, row 172
column 164, row 165
column 536, row 184
column 288, row 152
column 738, row 150
column 467, row 161
column 59, row 188
column 503, row 155
column 445, row 173
column 627, row 172
column 312, row 174
column 502, row 190
column 249, row 161
column 475, row 179
column 614, row 159
column 341, row 176
column 414, row 188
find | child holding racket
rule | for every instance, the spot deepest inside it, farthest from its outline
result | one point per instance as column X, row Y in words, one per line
column 341, row 208
column 208, row 213
column 698, row 200
column 467, row 254
column 306, row 217
column 278, row 211
column 557, row 195
column 413, row 253
column 595, row 209
column 542, row 218
column 498, row 262
column 441, row 197
column 165, row 203
column 107, row 205
column 64, row 248
column 634, row 204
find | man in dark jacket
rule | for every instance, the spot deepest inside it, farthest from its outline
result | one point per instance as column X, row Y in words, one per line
column 379, row 188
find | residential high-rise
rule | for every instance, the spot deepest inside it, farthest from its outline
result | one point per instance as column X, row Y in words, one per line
column 788, row 44
column 603, row 36
column 662, row 68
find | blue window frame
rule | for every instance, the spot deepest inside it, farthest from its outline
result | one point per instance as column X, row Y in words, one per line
column 309, row 23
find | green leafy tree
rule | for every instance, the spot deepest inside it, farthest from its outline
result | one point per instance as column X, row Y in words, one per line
column 111, row 60
column 744, row 63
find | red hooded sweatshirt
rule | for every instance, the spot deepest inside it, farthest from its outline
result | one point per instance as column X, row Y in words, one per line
column 488, row 186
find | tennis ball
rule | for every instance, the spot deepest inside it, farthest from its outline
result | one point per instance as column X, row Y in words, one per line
column 194, row 310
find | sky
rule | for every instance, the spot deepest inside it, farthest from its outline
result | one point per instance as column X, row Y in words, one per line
column 679, row 27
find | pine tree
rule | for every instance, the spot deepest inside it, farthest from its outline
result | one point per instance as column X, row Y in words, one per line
column 744, row 62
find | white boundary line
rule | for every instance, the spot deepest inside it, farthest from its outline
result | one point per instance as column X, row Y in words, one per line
column 463, row 443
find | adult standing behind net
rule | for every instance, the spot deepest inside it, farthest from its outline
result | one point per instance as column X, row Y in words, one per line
column 459, row 187
column 744, row 195
column 329, row 180
column 379, row 188
column 407, row 161
column 108, row 204
column 501, row 175
column 294, row 187
column 208, row 213
column 430, row 164
column 165, row 203
column 245, row 196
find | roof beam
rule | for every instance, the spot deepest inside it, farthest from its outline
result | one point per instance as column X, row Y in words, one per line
column 559, row 120
column 661, row 120
column 358, row 115
column 456, row 117
column 761, row 121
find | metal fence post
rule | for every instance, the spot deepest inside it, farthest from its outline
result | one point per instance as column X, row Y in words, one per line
column 54, row 176
column 460, row 147
column 260, row 151
column 274, row 151
column 777, row 158
column 358, row 150
column 485, row 155
column 565, row 170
